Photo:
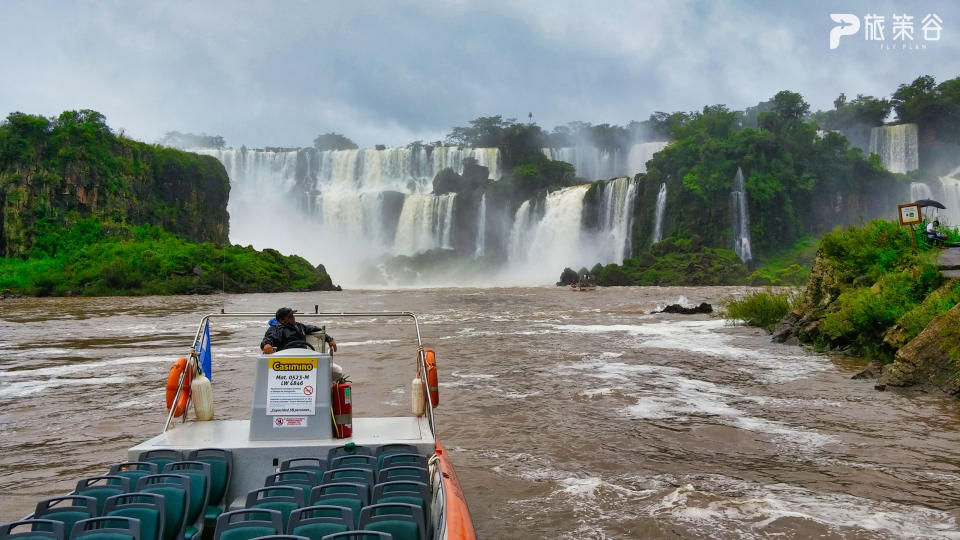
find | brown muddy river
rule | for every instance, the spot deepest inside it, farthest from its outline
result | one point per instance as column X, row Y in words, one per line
column 568, row 415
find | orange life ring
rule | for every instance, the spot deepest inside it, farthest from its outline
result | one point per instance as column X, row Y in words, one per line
column 173, row 381
column 432, row 385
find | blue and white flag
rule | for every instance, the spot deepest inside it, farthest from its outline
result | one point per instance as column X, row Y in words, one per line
column 206, row 363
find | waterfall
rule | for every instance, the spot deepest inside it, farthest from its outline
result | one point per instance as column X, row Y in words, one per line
column 640, row 154
column 919, row 190
column 951, row 199
column 590, row 162
column 616, row 220
column 518, row 232
column 538, row 249
column 658, row 216
column 481, row 227
column 426, row 222
column 345, row 208
column 741, row 217
column 896, row 146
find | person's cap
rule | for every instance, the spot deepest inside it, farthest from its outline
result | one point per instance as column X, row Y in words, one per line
column 285, row 312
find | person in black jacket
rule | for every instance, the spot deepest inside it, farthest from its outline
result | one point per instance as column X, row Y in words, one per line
column 287, row 331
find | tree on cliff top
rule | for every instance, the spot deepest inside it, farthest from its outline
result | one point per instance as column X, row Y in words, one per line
column 333, row 141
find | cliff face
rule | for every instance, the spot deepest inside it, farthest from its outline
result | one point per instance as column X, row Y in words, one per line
column 54, row 172
column 931, row 358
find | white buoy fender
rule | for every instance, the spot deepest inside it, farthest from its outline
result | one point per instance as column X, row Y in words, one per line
column 202, row 398
column 418, row 392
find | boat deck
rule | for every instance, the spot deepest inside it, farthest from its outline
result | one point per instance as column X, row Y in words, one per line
column 254, row 460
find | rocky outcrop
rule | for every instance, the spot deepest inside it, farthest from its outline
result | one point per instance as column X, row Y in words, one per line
column 931, row 358
column 682, row 310
column 801, row 325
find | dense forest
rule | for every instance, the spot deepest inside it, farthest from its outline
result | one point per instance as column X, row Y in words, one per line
column 86, row 211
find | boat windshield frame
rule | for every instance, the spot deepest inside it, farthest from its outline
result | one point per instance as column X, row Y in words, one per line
column 194, row 354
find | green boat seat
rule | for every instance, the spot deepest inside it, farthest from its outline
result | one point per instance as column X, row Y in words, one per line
column 303, row 480
column 175, row 490
column 403, row 472
column 281, row 537
column 134, row 470
column 318, row 466
column 284, row 499
column 359, row 535
column 161, row 456
column 33, row 529
column 360, row 461
column 221, row 470
column 385, row 450
column 353, row 475
column 107, row 528
column 146, row 507
column 350, row 449
column 408, row 492
column 347, row 501
column 200, row 475
column 403, row 521
column 403, row 459
column 351, row 488
column 67, row 510
column 315, row 522
column 247, row 524
column 102, row 487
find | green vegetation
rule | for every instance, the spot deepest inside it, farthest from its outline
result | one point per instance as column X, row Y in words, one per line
column 54, row 171
column 104, row 259
column 869, row 293
column 763, row 309
column 675, row 261
column 788, row 267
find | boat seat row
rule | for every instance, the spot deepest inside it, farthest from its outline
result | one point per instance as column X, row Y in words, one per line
column 168, row 494
column 397, row 521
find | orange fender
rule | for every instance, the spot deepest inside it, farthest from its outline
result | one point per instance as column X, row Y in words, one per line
column 459, row 524
column 173, row 381
column 432, row 378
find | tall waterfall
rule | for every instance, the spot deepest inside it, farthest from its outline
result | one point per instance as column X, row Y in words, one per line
column 426, row 222
column 950, row 184
column 594, row 163
column 616, row 220
column 896, row 146
column 481, row 227
column 538, row 249
column 919, row 190
column 658, row 216
column 640, row 154
column 741, row 217
column 344, row 208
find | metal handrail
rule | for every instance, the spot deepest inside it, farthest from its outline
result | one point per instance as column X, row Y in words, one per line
column 421, row 355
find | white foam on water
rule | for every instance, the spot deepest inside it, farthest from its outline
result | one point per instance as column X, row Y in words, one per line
column 84, row 367
column 703, row 337
column 367, row 342
column 26, row 388
column 663, row 392
column 757, row 506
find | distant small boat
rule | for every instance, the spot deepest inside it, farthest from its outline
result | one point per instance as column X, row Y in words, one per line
column 585, row 283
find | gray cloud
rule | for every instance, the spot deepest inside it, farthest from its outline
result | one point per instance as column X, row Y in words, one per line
column 280, row 73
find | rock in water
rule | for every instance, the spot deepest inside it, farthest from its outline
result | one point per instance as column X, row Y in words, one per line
column 677, row 308
column 931, row 358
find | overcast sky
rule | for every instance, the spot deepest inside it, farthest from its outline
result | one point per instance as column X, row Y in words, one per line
column 279, row 73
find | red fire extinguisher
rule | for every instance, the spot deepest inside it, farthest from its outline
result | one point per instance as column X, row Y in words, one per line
column 342, row 409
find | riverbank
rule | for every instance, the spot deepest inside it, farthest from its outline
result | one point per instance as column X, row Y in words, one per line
column 870, row 295
column 91, row 258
